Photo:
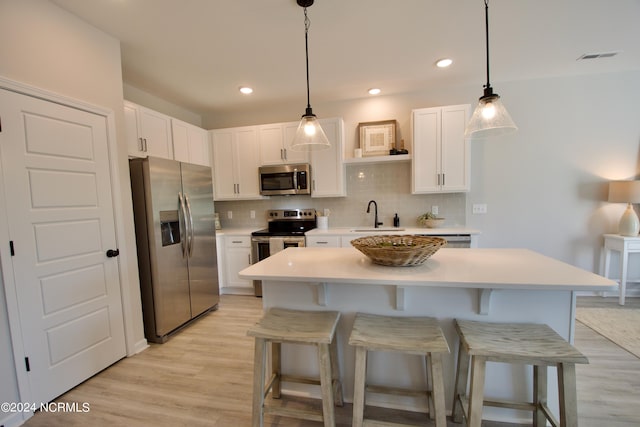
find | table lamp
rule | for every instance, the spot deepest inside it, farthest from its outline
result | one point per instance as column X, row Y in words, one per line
column 626, row 192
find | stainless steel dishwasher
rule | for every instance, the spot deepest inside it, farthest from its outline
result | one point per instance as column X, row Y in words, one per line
column 454, row 240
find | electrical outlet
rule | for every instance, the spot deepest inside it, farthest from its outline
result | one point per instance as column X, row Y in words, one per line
column 326, row 212
column 252, row 214
column 434, row 210
column 480, row 208
column 229, row 214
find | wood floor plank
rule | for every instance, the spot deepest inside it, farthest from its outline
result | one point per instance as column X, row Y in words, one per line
column 203, row 377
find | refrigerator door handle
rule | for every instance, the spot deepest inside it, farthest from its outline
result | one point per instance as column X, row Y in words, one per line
column 183, row 230
column 191, row 235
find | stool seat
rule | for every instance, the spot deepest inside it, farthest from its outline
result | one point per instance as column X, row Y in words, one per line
column 528, row 343
column 411, row 335
column 296, row 326
column 517, row 343
column 280, row 326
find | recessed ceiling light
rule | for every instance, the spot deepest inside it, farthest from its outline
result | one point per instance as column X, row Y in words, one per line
column 246, row 90
column 374, row 91
column 444, row 63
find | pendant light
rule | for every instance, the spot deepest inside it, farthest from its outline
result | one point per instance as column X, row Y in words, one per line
column 309, row 135
column 490, row 118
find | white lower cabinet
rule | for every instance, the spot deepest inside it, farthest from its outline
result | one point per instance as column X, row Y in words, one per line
column 237, row 257
column 322, row 241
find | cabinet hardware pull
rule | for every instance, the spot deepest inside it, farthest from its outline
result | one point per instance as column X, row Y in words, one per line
column 249, row 258
column 145, row 145
column 285, row 153
column 443, row 180
column 141, row 144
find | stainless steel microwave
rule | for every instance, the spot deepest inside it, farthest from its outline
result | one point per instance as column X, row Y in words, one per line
column 282, row 180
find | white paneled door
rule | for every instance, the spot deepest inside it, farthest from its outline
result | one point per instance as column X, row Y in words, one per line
column 58, row 205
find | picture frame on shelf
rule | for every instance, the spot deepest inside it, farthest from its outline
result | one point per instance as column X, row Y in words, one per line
column 377, row 138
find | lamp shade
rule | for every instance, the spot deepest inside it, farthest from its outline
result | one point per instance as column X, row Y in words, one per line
column 490, row 118
column 624, row 191
column 309, row 135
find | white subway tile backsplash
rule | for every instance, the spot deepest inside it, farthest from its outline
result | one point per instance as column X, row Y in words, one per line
column 389, row 184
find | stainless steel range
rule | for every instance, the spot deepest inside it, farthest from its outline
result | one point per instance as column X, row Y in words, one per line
column 286, row 228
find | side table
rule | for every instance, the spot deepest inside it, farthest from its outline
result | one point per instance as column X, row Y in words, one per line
column 624, row 245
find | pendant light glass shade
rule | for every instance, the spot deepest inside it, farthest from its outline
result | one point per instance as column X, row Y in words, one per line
column 309, row 135
column 490, row 117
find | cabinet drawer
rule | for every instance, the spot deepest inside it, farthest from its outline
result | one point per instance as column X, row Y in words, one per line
column 325, row 241
column 633, row 246
column 237, row 241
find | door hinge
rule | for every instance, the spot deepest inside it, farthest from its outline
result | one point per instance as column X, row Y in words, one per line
column 26, row 364
column 13, row 252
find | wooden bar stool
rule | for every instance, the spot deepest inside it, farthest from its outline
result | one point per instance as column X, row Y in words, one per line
column 279, row 326
column 518, row 343
column 412, row 335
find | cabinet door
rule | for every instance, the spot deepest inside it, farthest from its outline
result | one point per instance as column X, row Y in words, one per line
column 156, row 133
column 180, row 134
column 426, row 150
column 135, row 146
column 293, row 156
column 247, row 162
column 322, row 241
column 455, row 150
column 327, row 166
column 224, row 182
column 270, row 141
column 237, row 259
column 190, row 143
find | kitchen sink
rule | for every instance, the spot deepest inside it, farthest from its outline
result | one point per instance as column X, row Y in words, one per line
column 380, row 229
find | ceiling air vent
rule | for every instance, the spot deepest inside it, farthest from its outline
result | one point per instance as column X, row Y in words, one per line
column 597, row 55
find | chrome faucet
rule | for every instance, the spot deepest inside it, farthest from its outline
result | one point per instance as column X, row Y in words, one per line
column 375, row 220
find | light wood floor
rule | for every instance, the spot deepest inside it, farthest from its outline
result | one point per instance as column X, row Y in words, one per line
column 203, row 375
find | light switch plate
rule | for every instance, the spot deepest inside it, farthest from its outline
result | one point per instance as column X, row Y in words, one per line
column 230, row 214
column 435, row 210
column 252, row 214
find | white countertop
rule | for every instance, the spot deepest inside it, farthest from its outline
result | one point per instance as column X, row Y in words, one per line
column 346, row 231
column 461, row 268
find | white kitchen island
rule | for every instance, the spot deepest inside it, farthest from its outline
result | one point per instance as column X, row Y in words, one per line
column 496, row 285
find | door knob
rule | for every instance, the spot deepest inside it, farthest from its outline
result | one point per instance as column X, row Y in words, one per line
column 113, row 253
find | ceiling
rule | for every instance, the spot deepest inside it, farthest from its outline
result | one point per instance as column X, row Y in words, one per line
column 197, row 53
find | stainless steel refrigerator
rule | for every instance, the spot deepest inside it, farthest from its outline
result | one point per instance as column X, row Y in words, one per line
column 175, row 235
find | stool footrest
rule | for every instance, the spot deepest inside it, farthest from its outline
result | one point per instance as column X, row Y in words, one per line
column 305, row 414
column 376, row 423
column 524, row 406
column 396, row 391
column 299, row 379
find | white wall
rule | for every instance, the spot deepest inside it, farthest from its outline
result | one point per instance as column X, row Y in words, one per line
column 43, row 46
column 545, row 186
column 146, row 99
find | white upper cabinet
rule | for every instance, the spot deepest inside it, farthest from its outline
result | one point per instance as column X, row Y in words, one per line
column 190, row 143
column 275, row 144
column 441, row 154
column 148, row 132
column 327, row 166
column 235, row 163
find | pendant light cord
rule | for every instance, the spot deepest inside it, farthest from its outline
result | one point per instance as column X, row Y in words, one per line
column 486, row 23
column 307, row 24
